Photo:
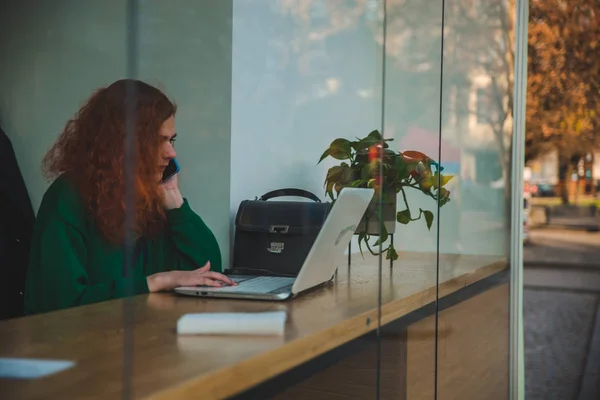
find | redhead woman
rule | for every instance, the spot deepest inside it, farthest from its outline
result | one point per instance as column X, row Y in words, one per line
column 78, row 249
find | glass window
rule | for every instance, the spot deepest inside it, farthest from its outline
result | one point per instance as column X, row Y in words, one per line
column 359, row 151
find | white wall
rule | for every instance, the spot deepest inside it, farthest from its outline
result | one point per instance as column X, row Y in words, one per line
column 54, row 54
column 293, row 94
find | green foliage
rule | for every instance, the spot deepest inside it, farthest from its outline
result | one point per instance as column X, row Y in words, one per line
column 369, row 162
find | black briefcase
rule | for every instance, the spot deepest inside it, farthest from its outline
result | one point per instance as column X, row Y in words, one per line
column 274, row 237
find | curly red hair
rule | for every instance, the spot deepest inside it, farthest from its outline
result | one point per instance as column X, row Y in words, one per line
column 90, row 152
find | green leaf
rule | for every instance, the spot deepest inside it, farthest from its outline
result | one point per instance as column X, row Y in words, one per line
column 333, row 175
column 401, row 168
column 391, row 253
column 347, row 174
column 365, row 173
column 428, row 218
column 339, row 186
column 329, row 189
column 367, row 238
column 361, row 237
column 340, row 175
column 375, row 135
column 403, row 217
column 383, row 237
column 357, row 183
column 355, row 144
column 366, row 143
column 324, row 155
column 444, row 179
column 340, row 149
column 372, row 139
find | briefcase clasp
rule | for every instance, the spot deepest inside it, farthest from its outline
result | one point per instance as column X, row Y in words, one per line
column 279, row 228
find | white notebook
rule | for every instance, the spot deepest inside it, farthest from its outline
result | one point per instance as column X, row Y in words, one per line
column 262, row 323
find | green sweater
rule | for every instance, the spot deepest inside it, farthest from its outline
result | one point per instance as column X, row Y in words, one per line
column 71, row 263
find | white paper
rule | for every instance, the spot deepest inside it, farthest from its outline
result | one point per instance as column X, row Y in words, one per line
column 263, row 323
column 29, row 368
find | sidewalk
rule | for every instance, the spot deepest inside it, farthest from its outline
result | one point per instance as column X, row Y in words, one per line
column 550, row 247
column 561, row 313
column 585, row 223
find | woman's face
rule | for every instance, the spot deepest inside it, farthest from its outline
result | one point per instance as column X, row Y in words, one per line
column 167, row 143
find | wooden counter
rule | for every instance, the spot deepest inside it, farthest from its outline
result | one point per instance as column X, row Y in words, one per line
column 163, row 365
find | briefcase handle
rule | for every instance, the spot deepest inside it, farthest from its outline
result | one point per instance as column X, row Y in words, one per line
column 290, row 192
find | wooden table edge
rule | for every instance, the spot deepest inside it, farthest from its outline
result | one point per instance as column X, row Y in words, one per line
column 222, row 384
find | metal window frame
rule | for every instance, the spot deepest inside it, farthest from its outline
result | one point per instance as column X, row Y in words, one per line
column 516, row 350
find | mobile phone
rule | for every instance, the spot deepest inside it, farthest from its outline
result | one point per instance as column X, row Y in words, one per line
column 171, row 169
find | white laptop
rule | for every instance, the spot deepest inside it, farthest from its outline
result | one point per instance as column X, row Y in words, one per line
column 318, row 267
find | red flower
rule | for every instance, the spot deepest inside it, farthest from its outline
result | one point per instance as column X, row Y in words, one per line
column 375, row 152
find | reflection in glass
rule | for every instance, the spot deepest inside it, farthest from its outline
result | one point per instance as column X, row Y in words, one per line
column 280, row 94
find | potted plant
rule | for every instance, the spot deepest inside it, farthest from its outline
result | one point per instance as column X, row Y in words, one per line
column 369, row 162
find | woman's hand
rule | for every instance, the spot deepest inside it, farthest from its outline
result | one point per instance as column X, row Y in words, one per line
column 200, row 277
column 172, row 196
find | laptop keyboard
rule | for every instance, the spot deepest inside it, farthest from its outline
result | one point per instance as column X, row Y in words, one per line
column 261, row 284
